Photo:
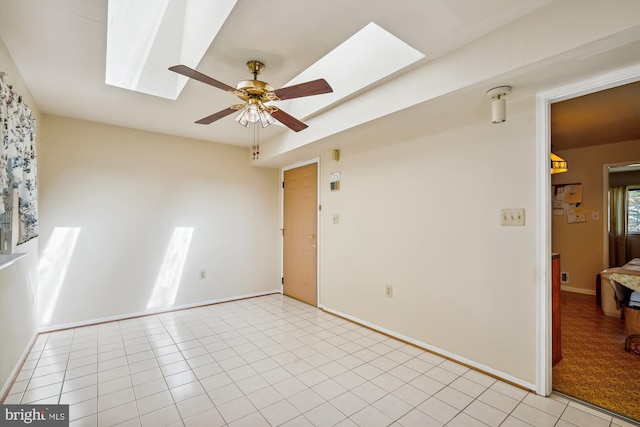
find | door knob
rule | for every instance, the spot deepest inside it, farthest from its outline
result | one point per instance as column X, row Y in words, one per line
column 312, row 236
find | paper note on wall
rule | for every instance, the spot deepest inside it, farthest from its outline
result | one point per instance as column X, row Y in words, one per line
column 576, row 214
column 573, row 193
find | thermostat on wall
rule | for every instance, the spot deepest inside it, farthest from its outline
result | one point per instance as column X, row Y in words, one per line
column 335, row 181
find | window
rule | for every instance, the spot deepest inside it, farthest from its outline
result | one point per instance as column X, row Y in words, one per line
column 633, row 210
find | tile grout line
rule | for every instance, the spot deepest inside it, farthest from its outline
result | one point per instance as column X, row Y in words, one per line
column 238, row 322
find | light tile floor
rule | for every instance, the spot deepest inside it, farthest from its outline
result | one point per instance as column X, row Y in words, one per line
column 269, row 361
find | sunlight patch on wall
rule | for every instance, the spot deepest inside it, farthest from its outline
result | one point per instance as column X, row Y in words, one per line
column 168, row 280
column 52, row 269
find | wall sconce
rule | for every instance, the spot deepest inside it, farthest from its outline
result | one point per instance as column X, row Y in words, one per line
column 335, row 155
column 498, row 103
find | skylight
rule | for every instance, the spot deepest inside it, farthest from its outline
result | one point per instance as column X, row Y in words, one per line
column 363, row 59
column 146, row 36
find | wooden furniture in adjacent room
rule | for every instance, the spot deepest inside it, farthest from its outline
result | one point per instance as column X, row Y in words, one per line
column 556, row 334
column 626, row 284
column 604, row 288
column 632, row 326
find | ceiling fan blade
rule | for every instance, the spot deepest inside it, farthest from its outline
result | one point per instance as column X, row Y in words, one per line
column 216, row 116
column 289, row 121
column 315, row 87
column 196, row 75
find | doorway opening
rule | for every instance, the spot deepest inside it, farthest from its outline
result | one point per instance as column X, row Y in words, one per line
column 544, row 101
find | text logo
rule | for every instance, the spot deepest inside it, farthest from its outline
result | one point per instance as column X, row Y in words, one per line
column 34, row 415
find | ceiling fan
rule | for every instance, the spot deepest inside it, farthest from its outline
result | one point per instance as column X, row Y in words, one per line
column 255, row 94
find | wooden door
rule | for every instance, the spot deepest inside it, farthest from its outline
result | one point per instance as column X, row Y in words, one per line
column 300, row 233
column 556, row 329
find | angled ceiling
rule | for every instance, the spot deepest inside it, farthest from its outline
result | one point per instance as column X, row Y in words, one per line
column 59, row 46
column 603, row 117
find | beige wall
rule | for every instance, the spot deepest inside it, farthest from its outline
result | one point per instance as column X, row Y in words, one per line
column 18, row 282
column 422, row 212
column 581, row 245
column 111, row 200
column 419, row 210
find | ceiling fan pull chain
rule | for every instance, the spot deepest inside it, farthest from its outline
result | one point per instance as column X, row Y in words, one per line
column 256, row 142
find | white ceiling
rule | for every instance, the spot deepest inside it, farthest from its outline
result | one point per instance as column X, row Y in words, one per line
column 606, row 116
column 59, row 46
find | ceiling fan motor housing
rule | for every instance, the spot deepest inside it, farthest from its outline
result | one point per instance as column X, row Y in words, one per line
column 247, row 89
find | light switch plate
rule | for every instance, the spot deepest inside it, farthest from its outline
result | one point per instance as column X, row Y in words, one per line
column 512, row 217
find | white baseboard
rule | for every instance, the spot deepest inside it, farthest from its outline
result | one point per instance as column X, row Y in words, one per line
column 150, row 312
column 444, row 353
column 4, row 391
column 578, row 290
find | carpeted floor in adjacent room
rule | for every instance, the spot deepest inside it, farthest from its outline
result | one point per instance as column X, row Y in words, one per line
column 595, row 368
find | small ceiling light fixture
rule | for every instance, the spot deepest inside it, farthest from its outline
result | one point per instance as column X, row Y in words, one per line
column 558, row 164
column 498, row 103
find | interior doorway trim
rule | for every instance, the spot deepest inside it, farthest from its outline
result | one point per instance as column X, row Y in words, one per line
column 543, row 223
column 605, row 208
column 318, row 233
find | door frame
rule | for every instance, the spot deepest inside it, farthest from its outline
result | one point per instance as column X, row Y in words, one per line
column 543, row 202
column 605, row 207
column 318, row 235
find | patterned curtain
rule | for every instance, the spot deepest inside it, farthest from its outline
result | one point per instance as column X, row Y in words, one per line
column 617, row 226
column 18, row 159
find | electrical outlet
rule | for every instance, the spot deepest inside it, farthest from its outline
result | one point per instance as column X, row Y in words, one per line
column 203, row 274
column 388, row 291
column 564, row 277
column 512, row 217
column 336, row 218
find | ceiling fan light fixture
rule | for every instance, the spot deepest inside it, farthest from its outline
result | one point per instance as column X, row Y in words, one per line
column 253, row 112
column 265, row 118
column 242, row 117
